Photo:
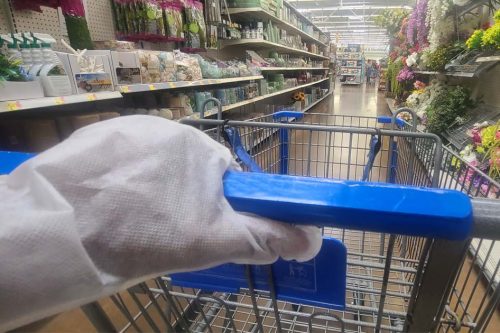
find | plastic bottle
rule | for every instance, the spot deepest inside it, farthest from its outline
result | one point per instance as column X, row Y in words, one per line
column 37, row 59
column 13, row 52
column 55, row 80
column 26, row 56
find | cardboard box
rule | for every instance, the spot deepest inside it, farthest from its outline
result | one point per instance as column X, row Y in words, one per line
column 126, row 67
column 10, row 90
column 85, row 82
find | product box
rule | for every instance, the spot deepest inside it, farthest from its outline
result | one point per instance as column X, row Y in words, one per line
column 84, row 81
column 11, row 90
column 126, row 67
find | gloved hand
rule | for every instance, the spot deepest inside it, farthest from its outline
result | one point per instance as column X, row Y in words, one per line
column 119, row 202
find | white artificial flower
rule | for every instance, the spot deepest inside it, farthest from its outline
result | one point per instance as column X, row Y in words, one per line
column 412, row 59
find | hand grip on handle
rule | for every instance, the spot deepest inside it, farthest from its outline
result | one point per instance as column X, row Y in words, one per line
column 377, row 207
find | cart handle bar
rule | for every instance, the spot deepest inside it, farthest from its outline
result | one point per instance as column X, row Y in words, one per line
column 376, row 207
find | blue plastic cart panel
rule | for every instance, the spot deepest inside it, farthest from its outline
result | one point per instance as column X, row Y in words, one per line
column 318, row 282
column 365, row 206
column 11, row 160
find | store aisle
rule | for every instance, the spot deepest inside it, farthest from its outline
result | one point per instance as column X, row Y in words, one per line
column 358, row 100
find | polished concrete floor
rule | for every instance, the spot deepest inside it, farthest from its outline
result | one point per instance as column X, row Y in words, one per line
column 362, row 100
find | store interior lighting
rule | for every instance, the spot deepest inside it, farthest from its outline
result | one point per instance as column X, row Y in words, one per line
column 351, row 21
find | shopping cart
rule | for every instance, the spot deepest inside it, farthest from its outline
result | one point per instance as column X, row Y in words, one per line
column 389, row 283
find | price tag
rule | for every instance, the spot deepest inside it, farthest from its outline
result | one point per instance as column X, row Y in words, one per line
column 152, row 87
column 171, row 85
column 91, row 97
column 59, row 100
column 13, row 105
column 124, row 89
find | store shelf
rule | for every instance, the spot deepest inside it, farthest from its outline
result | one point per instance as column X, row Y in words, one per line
column 455, row 74
column 257, row 13
column 261, row 43
column 391, row 102
column 277, row 93
column 289, row 69
column 256, row 99
column 183, row 84
column 309, row 107
column 488, row 59
column 350, row 66
column 349, row 74
column 35, row 103
column 427, row 72
column 262, row 138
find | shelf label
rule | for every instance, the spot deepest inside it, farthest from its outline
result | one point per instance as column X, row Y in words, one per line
column 125, row 89
column 59, row 100
column 171, row 85
column 152, row 87
column 91, row 97
column 13, row 106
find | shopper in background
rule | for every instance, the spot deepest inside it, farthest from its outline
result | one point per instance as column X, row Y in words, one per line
column 368, row 71
column 119, row 202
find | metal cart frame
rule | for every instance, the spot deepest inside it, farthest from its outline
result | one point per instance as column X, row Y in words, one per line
column 395, row 283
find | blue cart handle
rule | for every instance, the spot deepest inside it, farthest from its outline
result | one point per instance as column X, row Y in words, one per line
column 376, row 207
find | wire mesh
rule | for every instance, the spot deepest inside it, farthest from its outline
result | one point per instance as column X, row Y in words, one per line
column 381, row 269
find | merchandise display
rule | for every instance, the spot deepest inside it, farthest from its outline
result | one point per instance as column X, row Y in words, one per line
column 436, row 68
column 214, row 135
column 127, row 67
column 351, row 64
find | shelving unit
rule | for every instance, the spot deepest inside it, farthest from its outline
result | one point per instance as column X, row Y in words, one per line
column 183, row 84
column 34, row 103
column 256, row 99
column 253, row 13
column 351, row 63
column 290, row 69
column 261, row 43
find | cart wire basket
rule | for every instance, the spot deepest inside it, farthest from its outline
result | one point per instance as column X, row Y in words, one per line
column 394, row 280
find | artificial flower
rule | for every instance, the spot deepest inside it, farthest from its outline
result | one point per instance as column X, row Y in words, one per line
column 406, row 74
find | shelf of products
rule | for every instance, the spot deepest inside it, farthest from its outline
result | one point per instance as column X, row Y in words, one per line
column 261, row 43
column 253, row 13
column 455, row 74
column 183, row 84
column 256, row 99
column 42, row 102
column 309, row 107
column 351, row 63
column 290, row 69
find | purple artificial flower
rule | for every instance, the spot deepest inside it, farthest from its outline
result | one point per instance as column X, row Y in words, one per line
column 422, row 29
column 410, row 28
column 406, row 74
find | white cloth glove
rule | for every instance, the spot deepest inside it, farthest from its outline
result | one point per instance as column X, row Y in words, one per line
column 119, row 202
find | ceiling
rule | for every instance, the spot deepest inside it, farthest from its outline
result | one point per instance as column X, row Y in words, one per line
column 351, row 21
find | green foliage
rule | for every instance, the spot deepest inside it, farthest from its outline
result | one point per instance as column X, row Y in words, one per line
column 78, row 32
column 449, row 104
column 497, row 16
column 475, row 40
column 9, row 70
column 435, row 61
column 391, row 19
column 393, row 69
column 491, row 37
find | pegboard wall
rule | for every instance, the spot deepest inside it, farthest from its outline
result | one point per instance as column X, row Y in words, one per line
column 51, row 21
